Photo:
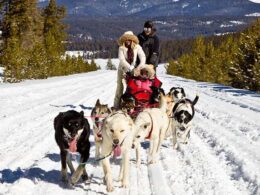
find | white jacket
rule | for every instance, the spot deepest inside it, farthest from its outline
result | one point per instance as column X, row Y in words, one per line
column 122, row 55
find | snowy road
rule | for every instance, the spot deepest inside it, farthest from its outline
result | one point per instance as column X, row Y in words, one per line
column 222, row 157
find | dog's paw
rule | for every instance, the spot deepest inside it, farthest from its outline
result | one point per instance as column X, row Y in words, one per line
column 120, row 178
column 138, row 164
column 125, row 184
column 84, row 177
column 153, row 161
column 176, row 146
column 110, row 188
column 64, row 179
column 74, row 179
column 64, row 176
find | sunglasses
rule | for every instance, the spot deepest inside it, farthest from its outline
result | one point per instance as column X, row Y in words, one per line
column 147, row 29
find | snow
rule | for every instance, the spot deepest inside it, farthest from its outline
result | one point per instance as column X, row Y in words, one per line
column 220, row 34
column 102, row 63
column 222, row 156
column 207, row 22
column 74, row 53
column 79, row 53
column 160, row 22
column 253, row 14
column 226, row 25
column 185, row 5
column 255, row 1
column 237, row 22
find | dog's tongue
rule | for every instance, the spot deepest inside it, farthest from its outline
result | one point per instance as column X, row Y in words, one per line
column 99, row 134
column 73, row 145
column 117, row 151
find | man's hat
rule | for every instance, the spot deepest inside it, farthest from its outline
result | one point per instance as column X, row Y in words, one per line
column 148, row 24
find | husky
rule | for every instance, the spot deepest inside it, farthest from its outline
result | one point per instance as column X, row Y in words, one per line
column 151, row 124
column 117, row 134
column 98, row 114
column 177, row 93
column 72, row 135
column 127, row 103
column 182, row 114
column 155, row 96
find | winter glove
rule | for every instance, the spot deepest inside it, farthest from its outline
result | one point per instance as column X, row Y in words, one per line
column 154, row 59
column 136, row 72
column 141, row 66
column 130, row 68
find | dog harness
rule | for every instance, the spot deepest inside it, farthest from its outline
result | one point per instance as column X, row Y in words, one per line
column 150, row 132
column 113, row 148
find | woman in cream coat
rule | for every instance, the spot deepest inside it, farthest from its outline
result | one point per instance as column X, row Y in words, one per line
column 129, row 49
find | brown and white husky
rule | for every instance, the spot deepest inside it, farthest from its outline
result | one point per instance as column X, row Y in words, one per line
column 98, row 114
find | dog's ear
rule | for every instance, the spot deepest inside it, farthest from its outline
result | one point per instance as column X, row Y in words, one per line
column 98, row 103
column 58, row 120
column 87, row 127
column 171, row 90
column 161, row 94
column 162, row 91
column 107, row 120
column 125, row 112
column 153, row 88
column 175, row 107
column 112, row 110
column 182, row 91
column 109, row 110
column 82, row 114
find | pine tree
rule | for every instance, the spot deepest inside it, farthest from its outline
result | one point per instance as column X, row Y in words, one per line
column 245, row 72
column 198, row 69
column 22, row 31
column 54, row 28
column 54, row 36
column 224, row 55
column 93, row 66
column 110, row 65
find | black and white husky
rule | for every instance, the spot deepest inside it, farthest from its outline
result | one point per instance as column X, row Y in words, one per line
column 177, row 93
column 182, row 115
column 72, row 135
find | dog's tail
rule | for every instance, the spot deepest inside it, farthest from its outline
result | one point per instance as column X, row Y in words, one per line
column 195, row 100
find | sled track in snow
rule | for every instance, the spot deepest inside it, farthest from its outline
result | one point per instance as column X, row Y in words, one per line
column 221, row 158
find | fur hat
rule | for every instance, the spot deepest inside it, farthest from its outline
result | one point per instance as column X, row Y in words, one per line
column 128, row 35
column 148, row 67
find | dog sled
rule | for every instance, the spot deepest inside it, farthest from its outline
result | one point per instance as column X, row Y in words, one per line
column 139, row 93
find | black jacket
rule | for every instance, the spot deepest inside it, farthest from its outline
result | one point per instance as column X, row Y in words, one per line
column 150, row 45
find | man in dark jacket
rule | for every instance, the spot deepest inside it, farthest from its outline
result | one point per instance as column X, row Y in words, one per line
column 150, row 43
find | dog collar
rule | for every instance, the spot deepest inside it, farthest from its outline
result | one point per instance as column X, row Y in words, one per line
column 113, row 147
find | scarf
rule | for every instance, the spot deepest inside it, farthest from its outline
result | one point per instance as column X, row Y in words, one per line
column 130, row 55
